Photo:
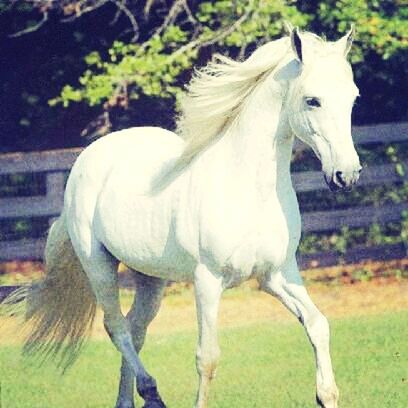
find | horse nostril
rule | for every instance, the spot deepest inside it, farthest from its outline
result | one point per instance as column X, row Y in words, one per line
column 339, row 177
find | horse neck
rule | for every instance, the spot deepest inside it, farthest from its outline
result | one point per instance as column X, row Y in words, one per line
column 259, row 143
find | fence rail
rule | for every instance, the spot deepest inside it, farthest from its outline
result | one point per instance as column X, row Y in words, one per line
column 56, row 164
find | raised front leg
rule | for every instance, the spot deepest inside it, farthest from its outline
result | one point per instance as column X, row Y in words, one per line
column 149, row 292
column 287, row 286
column 208, row 290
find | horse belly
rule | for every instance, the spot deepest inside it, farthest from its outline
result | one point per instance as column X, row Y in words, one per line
column 160, row 258
column 139, row 231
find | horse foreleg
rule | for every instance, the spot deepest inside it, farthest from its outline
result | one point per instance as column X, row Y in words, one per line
column 287, row 286
column 149, row 292
column 208, row 290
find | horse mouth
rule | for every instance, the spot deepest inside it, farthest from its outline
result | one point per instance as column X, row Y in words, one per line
column 335, row 188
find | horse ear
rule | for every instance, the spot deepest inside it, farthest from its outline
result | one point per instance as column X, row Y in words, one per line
column 296, row 43
column 345, row 42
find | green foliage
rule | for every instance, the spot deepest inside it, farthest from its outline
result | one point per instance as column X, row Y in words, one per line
column 393, row 154
column 76, row 68
column 362, row 275
column 265, row 22
column 152, row 68
column 404, row 228
column 378, row 54
column 382, row 25
column 132, row 70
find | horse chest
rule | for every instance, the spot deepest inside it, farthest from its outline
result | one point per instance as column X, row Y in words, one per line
column 248, row 243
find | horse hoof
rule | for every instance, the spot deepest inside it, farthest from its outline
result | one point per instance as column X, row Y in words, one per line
column 154, row 404
column 319, row 402
column 147, row 389
column 330, row 400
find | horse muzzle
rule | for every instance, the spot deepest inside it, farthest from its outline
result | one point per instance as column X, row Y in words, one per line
column 342, row 181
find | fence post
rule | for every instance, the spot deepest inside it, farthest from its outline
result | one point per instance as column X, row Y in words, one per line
column 55, row 186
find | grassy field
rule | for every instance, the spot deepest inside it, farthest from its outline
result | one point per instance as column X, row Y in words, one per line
column 263, row 365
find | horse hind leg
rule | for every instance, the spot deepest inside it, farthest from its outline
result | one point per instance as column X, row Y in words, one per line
column 101, row 269
column 146, row 304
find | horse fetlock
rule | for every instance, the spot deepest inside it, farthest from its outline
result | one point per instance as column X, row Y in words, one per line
column 207, row 362
column 327, row 397
column 211, row 371
column 207, row 369
column 125, row 404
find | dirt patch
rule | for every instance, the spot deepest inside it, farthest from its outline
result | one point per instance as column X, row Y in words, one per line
column 23, row 271
column 389, row 271
column 339, row 292
column 245, row 306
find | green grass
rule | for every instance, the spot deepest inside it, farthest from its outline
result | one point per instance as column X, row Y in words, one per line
column 261, row 366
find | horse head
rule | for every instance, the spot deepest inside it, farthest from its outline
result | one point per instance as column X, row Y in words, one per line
column 320, row 101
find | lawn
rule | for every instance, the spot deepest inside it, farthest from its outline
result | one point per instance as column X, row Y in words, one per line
column 262, row 365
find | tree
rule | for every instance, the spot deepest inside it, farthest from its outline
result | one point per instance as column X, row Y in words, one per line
column 133, row 57
column 379, row 53
column 155, row 66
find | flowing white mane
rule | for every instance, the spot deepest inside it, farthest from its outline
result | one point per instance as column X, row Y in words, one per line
column 217, row 92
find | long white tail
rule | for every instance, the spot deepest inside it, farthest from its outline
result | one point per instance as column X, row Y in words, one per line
column 59, row 309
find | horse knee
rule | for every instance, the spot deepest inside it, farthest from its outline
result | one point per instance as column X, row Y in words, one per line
column 141, row 319
column 317, row 327
column 116, row 327
column 138, row 328
column 138, row 336
column 207, row 362
column 207, row 368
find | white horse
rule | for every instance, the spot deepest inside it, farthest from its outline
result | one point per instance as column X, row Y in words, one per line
column 215, row 207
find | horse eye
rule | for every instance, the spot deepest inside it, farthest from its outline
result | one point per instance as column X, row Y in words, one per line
column 313, row 102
